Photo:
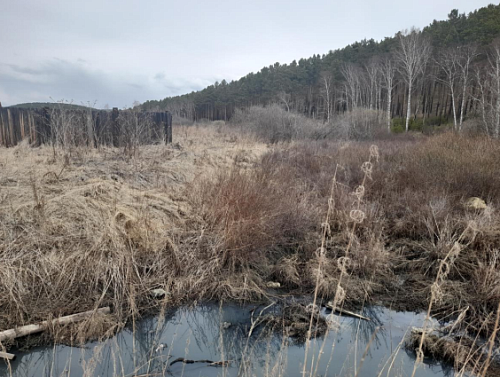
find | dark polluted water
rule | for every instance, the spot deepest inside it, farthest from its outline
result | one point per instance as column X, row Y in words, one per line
column 214, row 333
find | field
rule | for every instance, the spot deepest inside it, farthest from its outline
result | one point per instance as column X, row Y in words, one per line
column 220, row 215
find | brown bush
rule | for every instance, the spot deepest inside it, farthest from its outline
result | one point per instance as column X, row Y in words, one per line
column 415, row 214
column 253, row 216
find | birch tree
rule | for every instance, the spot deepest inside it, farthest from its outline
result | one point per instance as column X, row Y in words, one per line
column 466, row 57
column 326, row 81
column 482, row 99
column 388, row 71
column 494, row 60
column 448, row 75
column 373, row 72
column 286, row 98
column 488, row 83
column 412, row 56
column 351, row 76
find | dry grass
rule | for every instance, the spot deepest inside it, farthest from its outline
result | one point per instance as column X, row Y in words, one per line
column 219, row 214
column 98, row 228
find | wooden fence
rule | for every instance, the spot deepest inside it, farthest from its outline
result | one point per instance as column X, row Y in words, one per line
column 83, row 127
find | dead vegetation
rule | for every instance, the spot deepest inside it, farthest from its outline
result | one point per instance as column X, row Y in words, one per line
column 464, row 353
column 218, row 215
column 106, row 229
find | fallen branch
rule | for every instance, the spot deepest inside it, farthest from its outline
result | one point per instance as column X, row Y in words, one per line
column 8, row 356
column 34, row 329
column 209, row 362
column 347, row 312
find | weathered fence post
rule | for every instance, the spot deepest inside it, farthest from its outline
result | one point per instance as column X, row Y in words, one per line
column 11, row 141
column 94, row 127
column 115, row 127
column 2, row 130
column 45, row 129
column 168, row 128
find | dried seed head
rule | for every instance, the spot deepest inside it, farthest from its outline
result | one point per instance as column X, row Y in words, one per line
column 321, row 251
column 445, row 270
column 357, row 216
column 359, row 192
column 339, row 295
column 436, row 292
column 326, row 229
column 343, row 264
column 367, row 168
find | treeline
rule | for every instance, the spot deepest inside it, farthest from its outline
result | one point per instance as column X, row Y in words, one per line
column 445, row 73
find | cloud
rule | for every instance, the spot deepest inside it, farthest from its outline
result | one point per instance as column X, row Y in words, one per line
column 59, row 79
column 117, row 52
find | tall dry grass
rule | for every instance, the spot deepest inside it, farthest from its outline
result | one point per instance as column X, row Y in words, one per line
column 217, row 216
column 102, row 227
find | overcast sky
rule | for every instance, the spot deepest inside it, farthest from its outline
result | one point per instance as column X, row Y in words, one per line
column 117, row 52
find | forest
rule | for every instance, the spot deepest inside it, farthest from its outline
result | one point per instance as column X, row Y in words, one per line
column 444, row 74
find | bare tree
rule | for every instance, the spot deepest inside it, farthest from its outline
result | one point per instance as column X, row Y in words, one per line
column 448, row 75
column 286, row 98
column 412, row 56
column 467, row 55
column 482, row 85
column 494, row 60
column 351, row 76
column 488, row 83
column 388, row 71
column 373, row 73
column 326, row 82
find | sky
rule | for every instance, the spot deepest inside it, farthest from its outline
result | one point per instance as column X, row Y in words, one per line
column 113, row 53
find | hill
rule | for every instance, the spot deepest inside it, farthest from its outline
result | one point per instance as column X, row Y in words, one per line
column 41, row 105
column 353, row 76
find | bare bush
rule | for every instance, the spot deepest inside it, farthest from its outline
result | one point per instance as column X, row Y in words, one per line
column 181, row 121
column 254, row 217
column 274, row 124
column 358, row 124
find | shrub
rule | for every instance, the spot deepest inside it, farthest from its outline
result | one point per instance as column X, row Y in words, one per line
column 181, row 121
column 253, row 216
column 359, row 124
column 273, row 124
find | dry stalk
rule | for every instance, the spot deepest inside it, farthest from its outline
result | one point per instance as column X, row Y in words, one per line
column 491, row 342
column 357, row 216
column 436, row 294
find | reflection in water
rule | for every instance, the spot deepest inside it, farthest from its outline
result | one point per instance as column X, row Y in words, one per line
column 198, row 334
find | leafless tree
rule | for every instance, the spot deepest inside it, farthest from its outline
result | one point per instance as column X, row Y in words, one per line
column 286, row 98
column 412, row 56
column 373, row 73
column 482, row 99
column 388, row 71
column 448, row 74
column 466, row 56
column 326, row 82
column 488, row 83
column 351, row 76
column 494, row 60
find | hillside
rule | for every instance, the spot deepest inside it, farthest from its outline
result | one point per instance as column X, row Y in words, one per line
column 41, row 105
column 319, row 85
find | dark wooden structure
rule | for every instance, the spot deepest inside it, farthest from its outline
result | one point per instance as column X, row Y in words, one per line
column 83, row 127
